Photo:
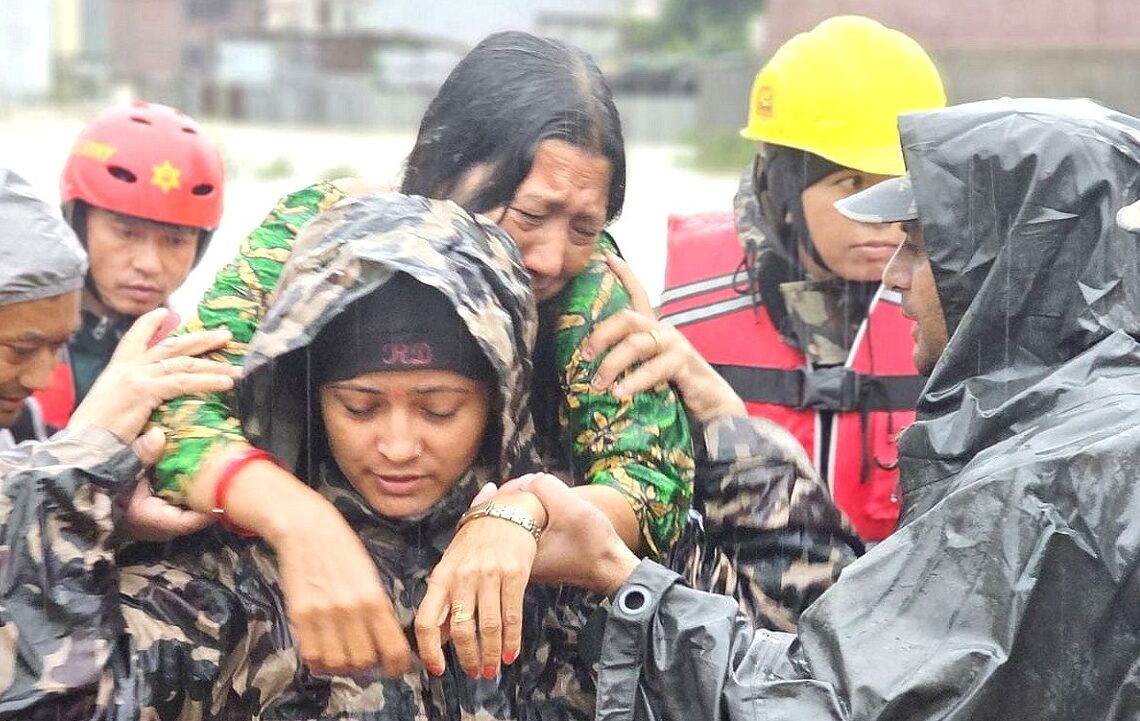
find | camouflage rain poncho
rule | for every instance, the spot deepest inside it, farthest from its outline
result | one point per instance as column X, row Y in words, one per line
column 639, row 446
column 201, row 632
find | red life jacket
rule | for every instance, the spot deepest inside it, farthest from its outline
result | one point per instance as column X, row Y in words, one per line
column 872, row 397
column 58, row 400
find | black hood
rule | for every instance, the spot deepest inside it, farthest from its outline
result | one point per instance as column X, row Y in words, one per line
column 1017, row 200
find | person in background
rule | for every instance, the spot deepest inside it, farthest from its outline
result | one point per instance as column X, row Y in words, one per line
column 143, row 189
column 782, row 296
column 42, row 268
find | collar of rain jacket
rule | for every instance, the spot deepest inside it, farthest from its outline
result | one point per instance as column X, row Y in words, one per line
column 353, row 249
column 1017, row 200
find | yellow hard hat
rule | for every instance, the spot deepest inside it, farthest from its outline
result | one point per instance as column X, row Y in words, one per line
column 837, row 91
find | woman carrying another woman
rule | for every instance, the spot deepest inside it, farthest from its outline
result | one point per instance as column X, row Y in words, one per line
column 397, row 419
column 524, row 131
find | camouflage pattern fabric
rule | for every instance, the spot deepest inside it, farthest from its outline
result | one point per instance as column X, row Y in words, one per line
column 197, row 629
column 766, row 531
column 354, row 249
column 770, row 537
column 639, row 446
column 60, row 618
column 237, row 301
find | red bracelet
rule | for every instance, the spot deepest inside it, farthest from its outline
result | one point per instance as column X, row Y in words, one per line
column 226, row 479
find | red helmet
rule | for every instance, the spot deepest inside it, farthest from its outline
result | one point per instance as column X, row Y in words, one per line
column 146, row 160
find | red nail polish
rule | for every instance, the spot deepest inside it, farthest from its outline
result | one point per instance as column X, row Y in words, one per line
column 488, row 672
column 510, row 656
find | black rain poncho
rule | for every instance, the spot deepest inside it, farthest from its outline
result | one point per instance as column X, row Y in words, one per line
column 1009, row 590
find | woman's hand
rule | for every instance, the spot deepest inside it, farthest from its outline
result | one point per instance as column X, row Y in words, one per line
column 139, row 378
column 337, row 606
column 341, row 613
column 475, row 593
column 666, row 356
column 148, row 517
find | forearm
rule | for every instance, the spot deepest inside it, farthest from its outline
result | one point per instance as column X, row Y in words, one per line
column 771, row 537
column 754, row 476
column 78, row 474
column 638, row 446
column 706, row 394
column 199, row 426
column 262, row 498
column 618, row 509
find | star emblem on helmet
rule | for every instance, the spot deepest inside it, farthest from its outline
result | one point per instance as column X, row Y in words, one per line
column 166, row 177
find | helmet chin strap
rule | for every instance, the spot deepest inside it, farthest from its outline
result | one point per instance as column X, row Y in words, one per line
column 803, row 236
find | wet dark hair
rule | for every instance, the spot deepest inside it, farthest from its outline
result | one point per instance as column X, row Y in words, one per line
column 510, row 93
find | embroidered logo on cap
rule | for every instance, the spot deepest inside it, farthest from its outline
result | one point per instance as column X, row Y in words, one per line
column 406, row 354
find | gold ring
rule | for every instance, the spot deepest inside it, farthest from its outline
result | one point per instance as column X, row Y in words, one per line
column 458, row 615
column 656, row 341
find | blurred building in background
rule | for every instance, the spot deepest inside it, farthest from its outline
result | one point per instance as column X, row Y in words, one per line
column 80, row 48
column 167, row 50
column 374, row 62
column 25, row 51
column 377, row 63
column 986, row 49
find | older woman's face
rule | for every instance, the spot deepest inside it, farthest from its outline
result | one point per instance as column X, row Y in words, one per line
column 403, row 439
column 557, row 214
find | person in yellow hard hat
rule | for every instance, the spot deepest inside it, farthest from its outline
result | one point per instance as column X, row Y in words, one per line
column 783, row 297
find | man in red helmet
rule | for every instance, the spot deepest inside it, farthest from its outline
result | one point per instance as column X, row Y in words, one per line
column 142, row 188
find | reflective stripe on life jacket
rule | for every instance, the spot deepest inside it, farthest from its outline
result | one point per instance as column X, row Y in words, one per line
column 871, row 397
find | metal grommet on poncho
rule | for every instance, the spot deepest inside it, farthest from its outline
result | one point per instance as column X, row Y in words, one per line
column 633, row 600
